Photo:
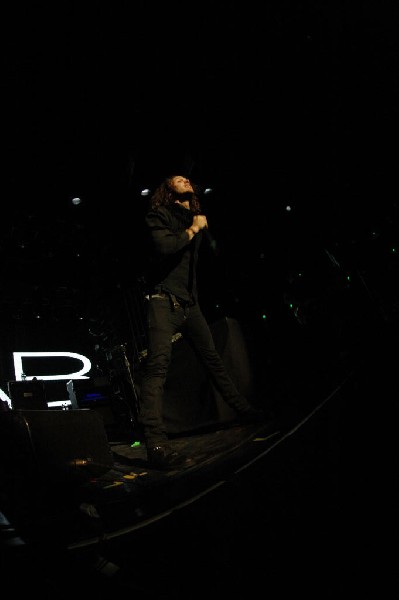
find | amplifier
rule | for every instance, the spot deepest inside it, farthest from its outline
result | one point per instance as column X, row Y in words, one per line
column 54, row 445
column 27, row 395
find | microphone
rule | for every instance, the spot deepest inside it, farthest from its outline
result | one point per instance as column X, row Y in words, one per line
column 211, row 242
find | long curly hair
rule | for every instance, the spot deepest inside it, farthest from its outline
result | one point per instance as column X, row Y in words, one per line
column 165, row 195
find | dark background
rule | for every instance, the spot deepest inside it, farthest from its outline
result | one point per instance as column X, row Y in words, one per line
column 271, row 105
column 288, row 104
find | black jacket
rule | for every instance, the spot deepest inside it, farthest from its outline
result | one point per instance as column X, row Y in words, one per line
column 172, row 257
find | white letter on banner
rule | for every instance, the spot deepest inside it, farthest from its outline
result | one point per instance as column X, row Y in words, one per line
column 77, row 375
column 5, row 398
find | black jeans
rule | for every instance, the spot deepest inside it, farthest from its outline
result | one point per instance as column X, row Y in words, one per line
column 164, row 320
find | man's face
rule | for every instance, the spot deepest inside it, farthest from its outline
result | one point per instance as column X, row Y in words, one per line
column 182, row 184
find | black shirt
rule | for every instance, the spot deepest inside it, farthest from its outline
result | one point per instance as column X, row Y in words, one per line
column 173, row 257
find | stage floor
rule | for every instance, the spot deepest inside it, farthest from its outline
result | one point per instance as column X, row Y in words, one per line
column 273, row 508
column 84, row 504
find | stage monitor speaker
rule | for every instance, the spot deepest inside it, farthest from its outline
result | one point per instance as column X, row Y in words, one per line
column 29, row 395
column 54, row 444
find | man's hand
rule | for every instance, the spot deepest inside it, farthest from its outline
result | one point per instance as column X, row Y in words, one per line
column 199, row 222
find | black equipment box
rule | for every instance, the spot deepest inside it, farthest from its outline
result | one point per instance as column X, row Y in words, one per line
column 27, row 395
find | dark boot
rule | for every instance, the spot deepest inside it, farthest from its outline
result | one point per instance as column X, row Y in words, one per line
column 160, row 458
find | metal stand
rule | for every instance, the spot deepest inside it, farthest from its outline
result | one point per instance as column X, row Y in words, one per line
column 120, row 352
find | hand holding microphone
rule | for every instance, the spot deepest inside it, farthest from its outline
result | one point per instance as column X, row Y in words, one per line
column 199, row 222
